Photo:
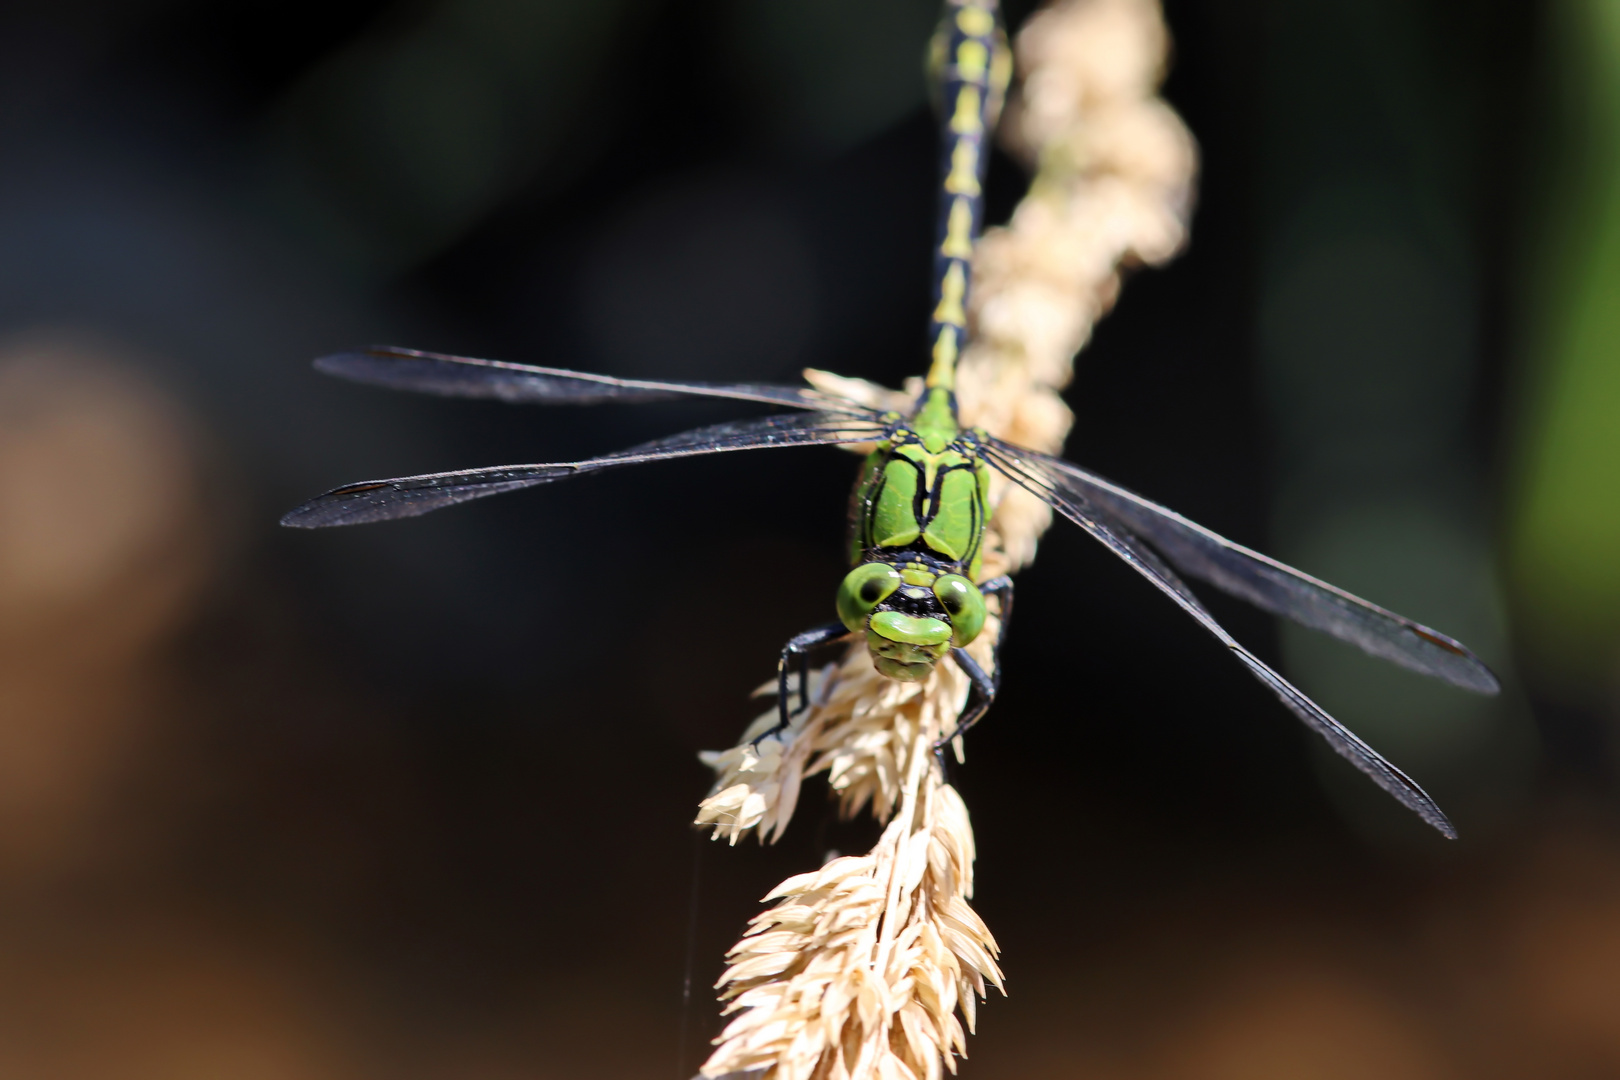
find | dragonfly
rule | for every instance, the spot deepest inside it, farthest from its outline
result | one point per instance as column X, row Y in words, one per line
column 915, row 593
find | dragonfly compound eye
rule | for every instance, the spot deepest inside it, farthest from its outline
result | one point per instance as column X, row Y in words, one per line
column 863, row 589
column 964, row 603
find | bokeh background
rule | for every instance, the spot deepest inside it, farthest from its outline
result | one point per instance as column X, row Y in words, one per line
column 411, row 801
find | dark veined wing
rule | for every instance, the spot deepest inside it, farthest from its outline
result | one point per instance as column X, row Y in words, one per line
column 465, row 376
column 408, row 496
column 1034, row 474
column 1263, row 581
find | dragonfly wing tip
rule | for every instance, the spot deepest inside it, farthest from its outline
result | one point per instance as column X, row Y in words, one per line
column 299, row 518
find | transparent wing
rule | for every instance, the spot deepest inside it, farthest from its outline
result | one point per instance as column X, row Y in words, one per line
column 1034, row 474
column 1263, row 581
column 408, row 496
column 465, row 376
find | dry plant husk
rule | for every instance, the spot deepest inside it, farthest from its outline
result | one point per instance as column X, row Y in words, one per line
column 871, row 966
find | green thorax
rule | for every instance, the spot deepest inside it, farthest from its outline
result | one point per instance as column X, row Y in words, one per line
column 924, row 488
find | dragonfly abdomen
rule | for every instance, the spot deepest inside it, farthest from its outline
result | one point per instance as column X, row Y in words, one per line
column 973, row 68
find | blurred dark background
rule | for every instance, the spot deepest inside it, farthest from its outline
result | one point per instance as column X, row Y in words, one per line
column 411, row 801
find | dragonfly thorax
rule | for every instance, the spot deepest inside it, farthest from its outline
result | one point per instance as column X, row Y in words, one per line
column 921, row 491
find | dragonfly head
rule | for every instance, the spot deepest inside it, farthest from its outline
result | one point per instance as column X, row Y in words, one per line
column 911, row 614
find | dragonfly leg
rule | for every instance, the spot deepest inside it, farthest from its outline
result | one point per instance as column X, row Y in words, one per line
column 799, row 649
column 980, row 695
column 1001, row 587
column 985, row 687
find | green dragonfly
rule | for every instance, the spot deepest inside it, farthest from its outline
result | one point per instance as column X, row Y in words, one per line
column 920, row 505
